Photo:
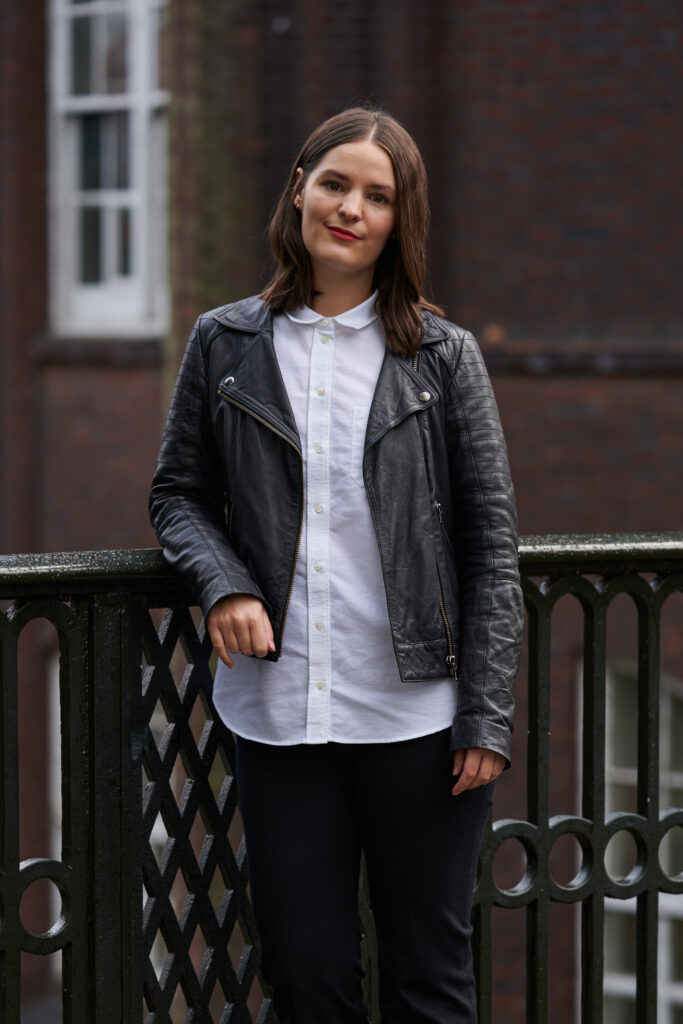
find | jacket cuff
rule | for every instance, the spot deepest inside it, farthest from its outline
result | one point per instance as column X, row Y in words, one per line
column 218, row 589
column 487, row 736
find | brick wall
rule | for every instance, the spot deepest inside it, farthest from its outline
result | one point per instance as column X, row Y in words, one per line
column 22, row 259
column 564, row 188
column 100, row 432
column 592, row 454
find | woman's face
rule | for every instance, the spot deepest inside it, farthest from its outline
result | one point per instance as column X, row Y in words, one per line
column 348, row 205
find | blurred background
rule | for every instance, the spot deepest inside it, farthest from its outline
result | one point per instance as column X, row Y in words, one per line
column 142, row 147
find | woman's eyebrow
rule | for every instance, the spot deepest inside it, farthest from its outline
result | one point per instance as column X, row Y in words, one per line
column 345, row 177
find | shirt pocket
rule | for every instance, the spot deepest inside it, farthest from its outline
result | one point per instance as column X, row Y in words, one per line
column 358, row 428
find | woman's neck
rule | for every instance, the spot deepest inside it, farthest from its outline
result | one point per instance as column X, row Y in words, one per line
column 337, row 296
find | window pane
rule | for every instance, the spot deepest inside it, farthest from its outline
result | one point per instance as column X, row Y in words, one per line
column 622, row 721
column 105, row 151
column 620, row 943
column 81, row 56
column 676, row 733
column 116, row 59
column 619, row 1011
column 120, row 146
column 621, row 798
column 91, row 229
column 91, row 150
column 159, row 64
column 123, row 261
column 676, row 925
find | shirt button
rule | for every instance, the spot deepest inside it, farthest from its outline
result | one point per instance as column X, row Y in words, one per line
column 319, row 449
column 318, row 508
column 320, row 684
column 424, row 396
column 324, row 323
column 325, row 338
column 318, row 566
column 319, row 625
column 320, row 390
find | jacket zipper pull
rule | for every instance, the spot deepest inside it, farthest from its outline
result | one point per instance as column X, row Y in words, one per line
column 452, row 663
column 437, row 506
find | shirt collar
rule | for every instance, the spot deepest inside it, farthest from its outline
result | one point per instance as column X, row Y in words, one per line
column 356, row 318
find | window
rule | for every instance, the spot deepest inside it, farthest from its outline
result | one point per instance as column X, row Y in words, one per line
column 107, row 168
column 621, row 781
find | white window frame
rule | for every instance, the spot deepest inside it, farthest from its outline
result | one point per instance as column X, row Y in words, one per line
column 622, row 984
column 137, row 304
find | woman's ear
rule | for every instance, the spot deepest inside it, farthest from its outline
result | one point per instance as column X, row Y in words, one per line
column 299, row 187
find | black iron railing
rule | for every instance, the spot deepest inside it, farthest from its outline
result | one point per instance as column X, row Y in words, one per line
column 155, row 923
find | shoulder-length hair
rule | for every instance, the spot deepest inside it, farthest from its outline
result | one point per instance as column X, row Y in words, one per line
column 401, row 267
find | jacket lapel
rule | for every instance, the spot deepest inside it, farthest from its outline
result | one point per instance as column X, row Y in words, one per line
column 256, row 384
column 400, row 391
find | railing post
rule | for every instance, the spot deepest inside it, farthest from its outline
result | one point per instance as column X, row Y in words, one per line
column 538, row 772
column 593, row 808
column 647, row 914
column 10, row 952
column 115, row 669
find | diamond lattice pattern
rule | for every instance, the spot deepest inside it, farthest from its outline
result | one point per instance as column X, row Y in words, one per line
column 202, row 964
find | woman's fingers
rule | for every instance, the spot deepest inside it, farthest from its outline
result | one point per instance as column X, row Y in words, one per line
column 476, row 767
column 240, row 623
column 218, row 642
column 270, row 639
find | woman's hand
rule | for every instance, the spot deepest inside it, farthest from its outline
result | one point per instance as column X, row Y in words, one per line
column 240, row 623
column 476, row 767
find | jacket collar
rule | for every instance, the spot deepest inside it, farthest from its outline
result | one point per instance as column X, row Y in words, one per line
column 251, row 316
column 400, row 389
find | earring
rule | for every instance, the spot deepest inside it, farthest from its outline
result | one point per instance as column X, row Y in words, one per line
column 297, row 202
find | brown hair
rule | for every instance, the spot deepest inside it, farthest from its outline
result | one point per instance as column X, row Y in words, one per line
column 401, row 267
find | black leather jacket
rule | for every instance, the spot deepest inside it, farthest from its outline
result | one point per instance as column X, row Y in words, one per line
column 227, row 502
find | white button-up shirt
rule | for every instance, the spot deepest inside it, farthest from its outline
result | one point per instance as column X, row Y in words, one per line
column 337, row 678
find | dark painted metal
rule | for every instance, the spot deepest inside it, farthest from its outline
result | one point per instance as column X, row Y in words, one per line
column 511, row 362
column 152, row 872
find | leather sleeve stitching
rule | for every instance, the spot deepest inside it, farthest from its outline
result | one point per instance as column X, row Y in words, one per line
column 482, row 688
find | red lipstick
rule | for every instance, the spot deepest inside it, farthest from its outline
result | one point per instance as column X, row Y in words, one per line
column 342, row 233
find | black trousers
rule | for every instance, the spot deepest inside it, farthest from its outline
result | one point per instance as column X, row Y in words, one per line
column 308, row 811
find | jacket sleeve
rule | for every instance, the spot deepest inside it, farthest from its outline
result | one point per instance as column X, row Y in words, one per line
column 491, row 609
column 187, row 499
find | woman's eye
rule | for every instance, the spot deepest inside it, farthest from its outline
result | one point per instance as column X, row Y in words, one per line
column 379, row 197
column 333, row 186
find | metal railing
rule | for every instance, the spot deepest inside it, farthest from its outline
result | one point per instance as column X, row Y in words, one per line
column 155, row 922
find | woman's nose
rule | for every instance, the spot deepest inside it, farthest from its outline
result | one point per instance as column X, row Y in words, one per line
column 351, row 206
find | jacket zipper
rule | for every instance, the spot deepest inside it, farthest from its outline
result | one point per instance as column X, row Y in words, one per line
column 228, row 398
column 451, row 660
column 230, row 510
column 437, row 506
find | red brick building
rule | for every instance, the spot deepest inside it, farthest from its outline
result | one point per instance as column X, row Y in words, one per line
column 142, row 147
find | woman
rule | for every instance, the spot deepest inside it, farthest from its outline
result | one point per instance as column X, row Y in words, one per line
column 334, row 488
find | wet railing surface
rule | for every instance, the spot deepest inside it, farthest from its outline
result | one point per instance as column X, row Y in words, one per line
column 155, row 923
